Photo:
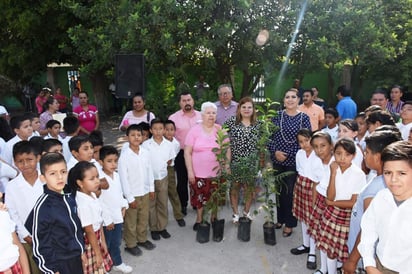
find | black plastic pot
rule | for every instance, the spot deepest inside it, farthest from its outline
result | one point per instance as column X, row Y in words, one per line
column 218, row 227
column 203, row 233
column 243, row 231
column 269, row 234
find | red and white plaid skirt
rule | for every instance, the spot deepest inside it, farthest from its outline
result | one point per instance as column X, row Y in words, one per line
column 302, row 199
column 14, row 269
column 333, row 233
column 316, row 216
column 91, row 257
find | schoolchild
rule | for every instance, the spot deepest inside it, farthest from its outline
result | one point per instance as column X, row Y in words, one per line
column 21, row 126
column 84, row 182
column 375, row 143
column 346, row 181
column 53, row 130
column 22, row 193
column 114, row 207
column 52, row 145
column 309, row 169
column 386, row 240
column 331, row 120
column 57, row 233
column 35, row 122
column 71, row 128
column 161, row 154
column 349, row 128
column 137, row 179
column 363, row 132
column 170, row 129
column 81, row 149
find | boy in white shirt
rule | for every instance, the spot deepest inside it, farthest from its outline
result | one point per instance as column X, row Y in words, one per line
column 136, row 176
column 22, row 193
column 71, row 128
column 114, row 207
column 331, row 119
column 53, row 128
column 81, row 149
column 161, row 155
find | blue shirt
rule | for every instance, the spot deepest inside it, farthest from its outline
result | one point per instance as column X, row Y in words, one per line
column 346, row 108
column 369, row 191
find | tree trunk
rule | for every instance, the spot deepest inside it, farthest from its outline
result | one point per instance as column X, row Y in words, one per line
column 101, row 92
column 331, row 85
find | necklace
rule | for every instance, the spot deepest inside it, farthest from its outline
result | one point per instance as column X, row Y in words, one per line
column 281, row 127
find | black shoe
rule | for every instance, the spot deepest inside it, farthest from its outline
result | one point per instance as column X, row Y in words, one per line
column 196, row 226
column 147, row 245
column 184, row 210
column 155, row 235
column 164, row 234
column 135, row 251
column 299, row 250
column 181, row 222
column 309, row 264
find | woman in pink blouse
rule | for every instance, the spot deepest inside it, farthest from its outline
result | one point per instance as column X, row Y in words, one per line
column 86, row 114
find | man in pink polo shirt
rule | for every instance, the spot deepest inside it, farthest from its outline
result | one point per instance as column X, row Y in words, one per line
column 315, row 112
column 184, row 119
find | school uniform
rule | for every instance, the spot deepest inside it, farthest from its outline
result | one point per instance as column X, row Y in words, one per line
column 7, row 152
column 9, row 259
column 48, row 136
column 90, row 213
column 333, row 132
column 66, row 150
column 160, row 154
column 171, row 184
column 334, row 225
column 136, row 176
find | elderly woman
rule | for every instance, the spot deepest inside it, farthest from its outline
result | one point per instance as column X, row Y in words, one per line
column 87, row 114
column 51, row 106
column 138, row 114
column 283, row 147
column 200, row 159
column 244, row 134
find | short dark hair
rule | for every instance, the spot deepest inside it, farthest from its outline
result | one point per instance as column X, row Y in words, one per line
column 350, row 124
column 16, row 121
column 392, row 128
column 183, row 93
column 77, row 173
column 305, row 132
column 37, row 142
column 49, row 143
column 49, row 159
column 134, row 127
column 24, row 147
column 170, row 122
column 308, row 90
column 70, row 124
column 398, row 151
column 378, row 140
column 31, row 115
column 106, row 151
column 76, row 142
column 332, row 112
column 361, row 115
column 344, row 91
column 383, row 91
column 347, row 144
column 382, row 116
column 156, row 121
column 51, row 123
column 96, row 138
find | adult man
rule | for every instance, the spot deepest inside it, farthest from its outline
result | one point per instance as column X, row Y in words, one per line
column 184, row 119
column 315, row 112
column 379, row 98
column 226, row 107
column 346, row 107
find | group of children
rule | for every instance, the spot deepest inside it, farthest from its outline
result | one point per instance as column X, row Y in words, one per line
column 340, row 170
column 71, row 198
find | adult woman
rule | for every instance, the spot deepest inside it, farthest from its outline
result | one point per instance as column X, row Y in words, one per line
column 138, row 114
column 62, row 99
column 244, row 133
column 87, row 114
column 283, row 147
column 41, row 99
column 51, row 106
column 200, row 160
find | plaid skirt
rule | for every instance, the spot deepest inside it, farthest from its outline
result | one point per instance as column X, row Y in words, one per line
column 15, row 269
column 333, row 233
column 201, row 191
column 316, row 216
column 91, row 257
column 302, row 199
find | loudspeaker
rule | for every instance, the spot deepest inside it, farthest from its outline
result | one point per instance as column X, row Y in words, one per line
column 130, row 75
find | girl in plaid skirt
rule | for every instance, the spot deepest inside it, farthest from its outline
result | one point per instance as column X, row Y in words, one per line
column 346, row 181
column 309, row 168
column 84, row 179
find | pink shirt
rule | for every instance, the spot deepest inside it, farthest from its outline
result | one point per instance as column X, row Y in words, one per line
column 87, row 119
column 184, row 122
column 131, row 119
column 203, row 158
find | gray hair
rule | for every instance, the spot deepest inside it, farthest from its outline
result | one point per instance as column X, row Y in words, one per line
column 224, row 86
column 206, row 105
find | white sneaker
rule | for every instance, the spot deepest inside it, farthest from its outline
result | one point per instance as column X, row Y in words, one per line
column 124, row 268
column 248, row 215
column 235, row 218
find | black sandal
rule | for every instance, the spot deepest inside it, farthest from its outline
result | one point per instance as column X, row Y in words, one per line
column 309, row 264
column 278, row 226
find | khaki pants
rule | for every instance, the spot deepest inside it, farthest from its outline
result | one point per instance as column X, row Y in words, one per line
column 172, row 192
column 34, row 269
column 136, row 221
column 158, row 207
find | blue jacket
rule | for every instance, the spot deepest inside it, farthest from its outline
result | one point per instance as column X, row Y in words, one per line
column 56, row 230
